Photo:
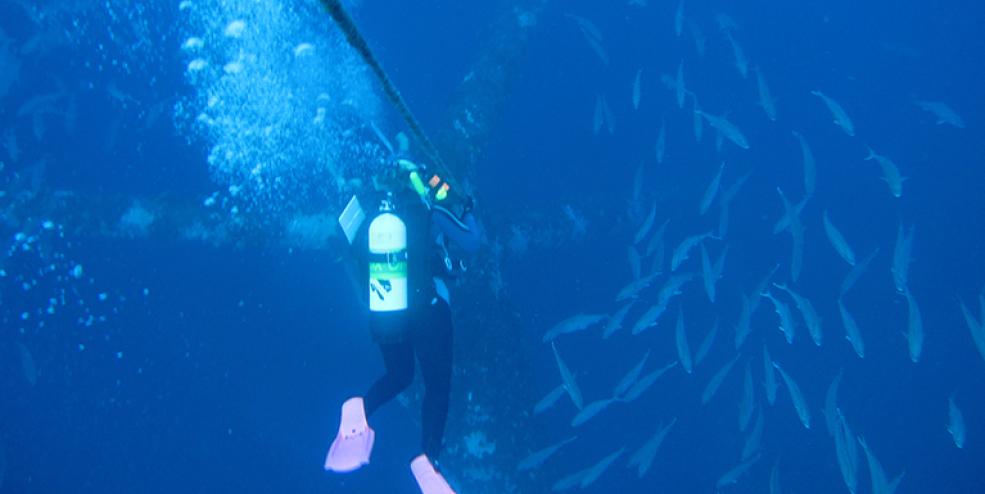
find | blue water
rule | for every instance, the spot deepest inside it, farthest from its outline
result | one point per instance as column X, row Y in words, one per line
column 208, row 349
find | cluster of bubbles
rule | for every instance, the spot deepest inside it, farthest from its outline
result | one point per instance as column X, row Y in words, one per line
column 283, row 105
column 43, row 286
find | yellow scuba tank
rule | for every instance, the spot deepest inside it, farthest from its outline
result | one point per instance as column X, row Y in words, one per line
column 388, row 287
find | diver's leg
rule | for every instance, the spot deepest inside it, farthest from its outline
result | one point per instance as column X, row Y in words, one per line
column 399, row 361
column 433, row 344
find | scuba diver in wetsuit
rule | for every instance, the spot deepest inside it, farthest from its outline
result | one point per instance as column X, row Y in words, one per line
column 409, row 314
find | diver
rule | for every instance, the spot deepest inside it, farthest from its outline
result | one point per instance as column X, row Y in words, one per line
column 409, row 264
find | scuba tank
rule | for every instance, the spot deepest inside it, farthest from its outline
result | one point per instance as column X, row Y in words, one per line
column 388, row 287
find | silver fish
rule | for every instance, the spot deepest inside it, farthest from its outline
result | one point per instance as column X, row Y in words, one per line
column 610, row 122
column 587, row 27
column 570, row 385
column 744, row 326
column 645, row 382
column 633, row 289
column 643, row 458
column 838, row 112
column 595, row 471
column 593, row 36
column 646, row 226
column 591, row 410
column 796, row 396
column 846, row 449
column 857, row 271
column 631, row 377
column 902, row 257
column 775, row 480
column 944, row 113
column 549, row 399
column 711, row 273
column 749, row 306
column 740, row 57
column 766, row 100
column 890, row 172
column 755, row 438
column 955, row 423
column 683, row 351
column 706, row 344
column 716, row 381
column 852, row 331
column 635, row 262
column 569, row 482
column 732, row 476
column 880, row 484
column 725, row 200
column 637, row 91
column 700, row 40
column 838, row 241
column 975, row 328
column 655, row 246
column 615, row 322
column 683, row 251
column 769, row 377
column 811, row 319
column 578, row 322
column 726, row 128
column 712, row 190
column 831, row 404
column 787, row 325
column 538, row 458
column 672, row 287
column 707, row 274
column 914, row 331
column 791, row 213
column 810, row 171
column 649, row 318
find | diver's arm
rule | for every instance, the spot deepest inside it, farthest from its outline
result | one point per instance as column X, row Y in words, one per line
column 464, row 232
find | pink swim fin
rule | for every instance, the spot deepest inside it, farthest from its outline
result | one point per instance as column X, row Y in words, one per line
column 354, row 444
column 428, row 479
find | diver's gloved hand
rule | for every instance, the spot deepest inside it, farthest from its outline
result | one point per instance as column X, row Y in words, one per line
column 408, row 165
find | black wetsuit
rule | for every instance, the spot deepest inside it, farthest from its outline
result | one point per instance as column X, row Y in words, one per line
column 425, row 329
column 430, row 339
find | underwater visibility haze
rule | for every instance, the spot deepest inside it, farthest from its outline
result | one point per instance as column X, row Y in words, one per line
column 727, row 246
